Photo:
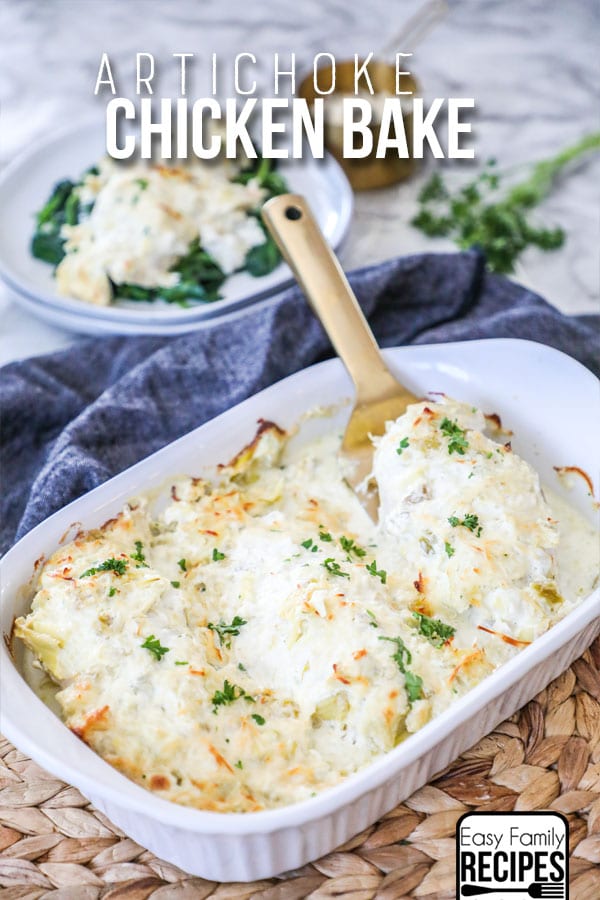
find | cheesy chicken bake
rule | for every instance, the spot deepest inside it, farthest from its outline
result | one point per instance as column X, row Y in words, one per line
column 259, row 638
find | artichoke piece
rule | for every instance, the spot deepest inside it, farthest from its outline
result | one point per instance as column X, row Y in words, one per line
column 335, row 707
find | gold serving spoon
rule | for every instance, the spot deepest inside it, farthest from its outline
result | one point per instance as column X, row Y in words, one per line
column 379, row 395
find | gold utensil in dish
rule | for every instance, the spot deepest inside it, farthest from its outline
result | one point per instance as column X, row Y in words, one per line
column 379, row 395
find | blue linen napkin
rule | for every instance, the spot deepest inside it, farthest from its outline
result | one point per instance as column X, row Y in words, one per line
column 72, row 419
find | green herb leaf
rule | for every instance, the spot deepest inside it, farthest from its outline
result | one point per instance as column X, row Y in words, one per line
column 154, row 646
column 457, row 441
column 470, row 521
column 414, row 686
column 334, row 568
column 239, row 764
column 112, row 591
column 182, row 565
column 229, row 694
column 118, row 566
column 381, row 573
column 402, row 446
column 403, row 658
column 450, row 551
column 436, row 631
column 502, row 228
column 373, row 622
column 258, row 719
column 226, row 632
column 348, row 545
column 217, row 555
column 139, row 555
column 181, row 662
column 176, row 584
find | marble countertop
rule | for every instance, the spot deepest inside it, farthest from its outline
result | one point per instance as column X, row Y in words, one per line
column 533, row 68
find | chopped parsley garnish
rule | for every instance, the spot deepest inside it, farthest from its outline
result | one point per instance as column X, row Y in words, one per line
column 325, row 536
column 470, row 521
column 258, row 719
column 154, row 646
column 402, row 446
column 414, row 686
column 112, row 592
column 139, row 555
column 229, row 694
column 457, row 441
column 182, row 565
column 242, row 667
column 239, row 764
column 176, row 584
column 434, row 630
column 333, row 567
column 217, row 555
column 378, row 573
column 181, row 662
column 226, row 632
column 450, row 551
column 403, row 658
column 348, row 546
column 309, row 544
column 118, row 566
column 373, row 622
column 142, row 183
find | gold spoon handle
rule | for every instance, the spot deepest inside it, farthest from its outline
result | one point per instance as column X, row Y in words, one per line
column 293, row 226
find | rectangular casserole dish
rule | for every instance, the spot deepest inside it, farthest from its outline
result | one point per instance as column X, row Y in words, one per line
column 553, row 405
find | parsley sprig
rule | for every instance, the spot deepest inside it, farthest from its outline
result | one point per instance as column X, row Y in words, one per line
column 377, row 573
column 118, row 566
column 479, row 215
column 402, row 446
column 457, row 442
column 139, row 556
column 229, row 694
column 226, row 632
column 334, row 568
column 349, row 546
column 403, row 658
column 154, row 646
column 470, row 521
column 436, row 631
column 309, row 544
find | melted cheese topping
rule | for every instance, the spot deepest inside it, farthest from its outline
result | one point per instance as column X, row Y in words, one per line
column 259, row 638
column 144, row 219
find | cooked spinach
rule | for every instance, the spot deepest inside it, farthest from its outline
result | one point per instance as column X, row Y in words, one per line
column 62, row 207
column 200, row 276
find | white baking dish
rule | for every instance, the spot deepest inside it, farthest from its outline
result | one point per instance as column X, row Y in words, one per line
column 553, row 405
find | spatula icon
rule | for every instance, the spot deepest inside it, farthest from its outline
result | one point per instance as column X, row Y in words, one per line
column 538, row 890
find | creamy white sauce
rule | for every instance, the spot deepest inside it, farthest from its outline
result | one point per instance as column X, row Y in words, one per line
column 333, row 659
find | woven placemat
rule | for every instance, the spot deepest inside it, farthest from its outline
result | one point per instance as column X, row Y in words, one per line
column 547, row 756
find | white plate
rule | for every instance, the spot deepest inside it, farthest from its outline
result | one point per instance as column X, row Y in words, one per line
column 26, row 185
column 549, row 401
